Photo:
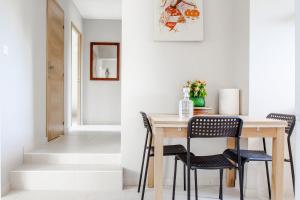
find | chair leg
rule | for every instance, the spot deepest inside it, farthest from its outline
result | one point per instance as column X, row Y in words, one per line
column 174, row 179
column 145, row 176
column 268, row 178
column 243, row 175
column 221, row 185
column 267, row 169
column 293, row 174
column 188, row 183
column 184, row 177
column 142, row 167
column 241, row 168
column 196, row 185
column 292, row 163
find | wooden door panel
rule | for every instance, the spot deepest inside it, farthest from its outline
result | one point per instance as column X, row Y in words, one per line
column 55, row 70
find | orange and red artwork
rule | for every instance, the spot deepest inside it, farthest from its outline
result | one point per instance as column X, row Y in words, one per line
column 179, row 20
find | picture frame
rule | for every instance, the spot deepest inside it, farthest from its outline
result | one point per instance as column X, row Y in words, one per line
column 105, row 61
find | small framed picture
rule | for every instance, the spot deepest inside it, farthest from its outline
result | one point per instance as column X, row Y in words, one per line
column 105, row 61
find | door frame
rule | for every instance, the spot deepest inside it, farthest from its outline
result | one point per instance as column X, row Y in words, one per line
column 47, row 63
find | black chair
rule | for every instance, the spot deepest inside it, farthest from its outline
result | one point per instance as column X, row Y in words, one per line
column 250, row 155
column 211, row 127
column 169, row 150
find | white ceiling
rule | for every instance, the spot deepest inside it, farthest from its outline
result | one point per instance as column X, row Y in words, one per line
column 99, row 9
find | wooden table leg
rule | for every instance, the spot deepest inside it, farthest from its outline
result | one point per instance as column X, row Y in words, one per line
column 230, row 179
column 278, row 165
column 158, row 163
column 151, row 173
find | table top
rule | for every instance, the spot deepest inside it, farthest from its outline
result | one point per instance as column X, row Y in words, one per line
column 173, row 120
column 202, row 108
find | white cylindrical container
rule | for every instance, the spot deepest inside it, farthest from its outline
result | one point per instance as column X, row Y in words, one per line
column 229, row 102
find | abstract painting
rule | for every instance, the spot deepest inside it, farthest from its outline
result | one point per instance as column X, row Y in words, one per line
column 178, row 20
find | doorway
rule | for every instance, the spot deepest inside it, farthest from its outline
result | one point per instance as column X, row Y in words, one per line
column 76, row 54
column 55, row 71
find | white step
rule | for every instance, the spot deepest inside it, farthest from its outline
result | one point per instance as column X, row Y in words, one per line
column 67, row 177
column 72, row 158
column 86, row 129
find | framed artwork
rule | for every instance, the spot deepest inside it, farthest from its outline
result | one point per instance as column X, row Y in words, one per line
column 105, row 61
column 178, row 20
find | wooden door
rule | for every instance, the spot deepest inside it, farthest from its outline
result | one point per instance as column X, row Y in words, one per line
column 55, row 70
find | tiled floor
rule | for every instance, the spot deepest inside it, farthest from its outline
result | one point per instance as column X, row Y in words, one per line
column 107, row 143
column 205, row 193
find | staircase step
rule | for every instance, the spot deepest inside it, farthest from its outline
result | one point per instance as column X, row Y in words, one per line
column 72, row 158
column 67, row 177
column 87, row 129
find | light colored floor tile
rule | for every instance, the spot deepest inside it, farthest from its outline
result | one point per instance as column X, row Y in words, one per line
column 205, row 193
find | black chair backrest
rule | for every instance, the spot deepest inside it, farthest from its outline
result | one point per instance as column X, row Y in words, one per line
column 212, row 127
column 146, row 122
column 290, row 119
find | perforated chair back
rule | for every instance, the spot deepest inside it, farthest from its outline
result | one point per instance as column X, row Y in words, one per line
column 213, row 127
column 290, row 119
column 146, row 122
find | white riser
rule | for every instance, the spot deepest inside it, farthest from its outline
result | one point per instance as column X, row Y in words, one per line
column 71, row 158
column 65, row 177
column 99, row 129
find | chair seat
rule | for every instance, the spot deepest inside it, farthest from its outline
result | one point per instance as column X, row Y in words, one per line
column 247, row 155
column 207, row 162
column 171, row 150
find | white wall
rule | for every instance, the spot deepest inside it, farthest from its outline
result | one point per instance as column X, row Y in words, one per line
column 154, row 73
column 101, row 99
column 22, row 26
column 3, row 188
column 23, row 77
column 272, row 65
column 297, row 147
column 241, row 52
column 271, row 72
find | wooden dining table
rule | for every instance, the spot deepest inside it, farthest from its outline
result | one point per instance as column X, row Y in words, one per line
column 171, row 126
